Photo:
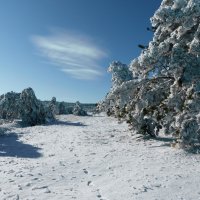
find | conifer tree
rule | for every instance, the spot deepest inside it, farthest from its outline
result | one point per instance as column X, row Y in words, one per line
column 170, row 99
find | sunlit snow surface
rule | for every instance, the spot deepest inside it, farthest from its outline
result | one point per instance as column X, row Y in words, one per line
column 92, row 158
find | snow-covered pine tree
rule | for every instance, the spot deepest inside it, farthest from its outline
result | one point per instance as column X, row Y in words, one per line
column 174, row 53
column 27, row 107
column 78, row 109
column 32, row 111
column 115, row 99
column 171, row 99
column 62, row 108
column 51, row 110
column 9, row 106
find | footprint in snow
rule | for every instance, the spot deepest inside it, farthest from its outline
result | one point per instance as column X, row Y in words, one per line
column 19, row 187
column 98, row 194
column 71, row 149
column 45, row 188
column 85, row 171
column 61, row 163
column 89, row 183
column 28, row 184
column 35, row 179
column 12, row 197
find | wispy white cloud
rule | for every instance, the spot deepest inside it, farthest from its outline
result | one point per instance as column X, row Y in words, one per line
column 74, row 54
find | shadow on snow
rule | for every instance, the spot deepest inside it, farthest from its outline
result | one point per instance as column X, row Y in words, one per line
column 65, row 123
column 10, row 146
column 166, row 140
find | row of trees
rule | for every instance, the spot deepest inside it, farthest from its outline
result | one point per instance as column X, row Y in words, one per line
column 161, row 89
column 32, row 111
column 27, row 107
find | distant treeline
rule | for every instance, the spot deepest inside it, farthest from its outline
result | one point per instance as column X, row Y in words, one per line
column 32, row 111
column 89, row 107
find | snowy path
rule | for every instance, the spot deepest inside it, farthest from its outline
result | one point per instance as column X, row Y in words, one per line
column 93, row 158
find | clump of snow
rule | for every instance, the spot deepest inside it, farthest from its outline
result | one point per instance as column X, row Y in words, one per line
column 120, row 73
column 178, row 4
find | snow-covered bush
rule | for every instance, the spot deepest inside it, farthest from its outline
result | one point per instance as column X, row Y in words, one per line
column 27, row 107
column 171, row 99
column 61, row 108
column 51, row 110
column 65, row 108
column 32, row 111
column 69, row 110
column 78, row 110
column 9, row 105
column 52, row 105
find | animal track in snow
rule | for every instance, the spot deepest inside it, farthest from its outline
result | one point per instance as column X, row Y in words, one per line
column 85, row 171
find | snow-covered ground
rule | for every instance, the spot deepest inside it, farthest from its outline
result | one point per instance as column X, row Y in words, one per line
column 93, row 158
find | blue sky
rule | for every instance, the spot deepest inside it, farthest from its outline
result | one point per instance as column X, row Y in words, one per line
column 62, row 48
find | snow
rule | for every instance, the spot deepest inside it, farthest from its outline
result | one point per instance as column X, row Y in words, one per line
column 93, row 158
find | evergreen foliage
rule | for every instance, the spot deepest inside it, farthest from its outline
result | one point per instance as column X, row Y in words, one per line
column 62, row 108
column 27, row 107
column 78, row 110
column 51, row 110
column 32, row 111
column 169, row 100
column 9, row 105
